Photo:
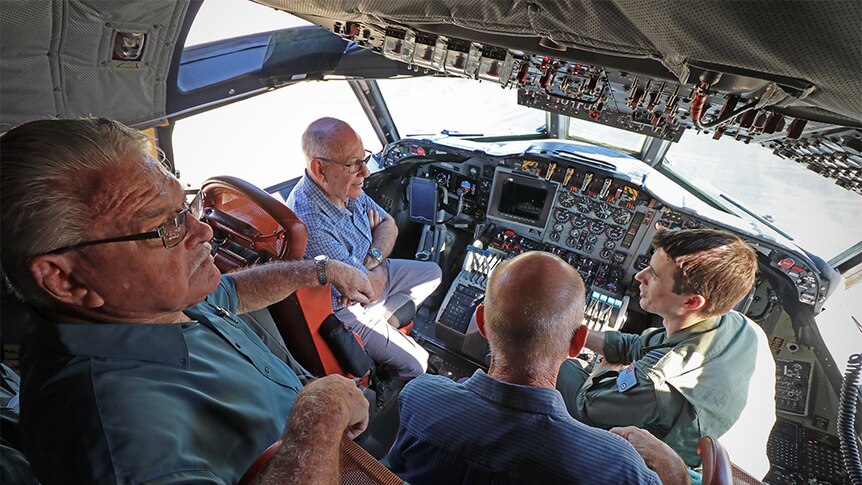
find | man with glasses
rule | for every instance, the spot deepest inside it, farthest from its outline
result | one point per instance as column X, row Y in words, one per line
column 136, row 367
column 345, row 224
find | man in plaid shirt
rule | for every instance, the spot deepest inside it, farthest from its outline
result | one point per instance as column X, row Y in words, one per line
column 347, row 225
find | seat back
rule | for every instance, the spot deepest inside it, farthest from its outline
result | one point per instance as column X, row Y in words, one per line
column 717, row 468
column 358, row 467
column 251, row 227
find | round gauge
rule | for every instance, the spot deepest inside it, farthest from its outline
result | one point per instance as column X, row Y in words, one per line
column 555, row 236
column 615, row 233
column 610, row 244
column 473, row 171
column 597, row 227
column 584, row 206
column 485, row 185
column 571, row 242
column 558, row 227
column 621, row 216
column 690, row 224
column 588, row 247
column 580, row 222
column 566, row 199
column 574, row 233
column 442, row 179
column 605, row 254
column 562, row 215
column 592, row 239
column 601, row 210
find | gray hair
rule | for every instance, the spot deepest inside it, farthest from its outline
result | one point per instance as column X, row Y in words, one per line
column 317, row 137
column 46, row 182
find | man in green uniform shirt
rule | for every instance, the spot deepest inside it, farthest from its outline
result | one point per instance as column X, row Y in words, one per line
column 704, row 370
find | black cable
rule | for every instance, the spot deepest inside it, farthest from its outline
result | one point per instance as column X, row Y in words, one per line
column 846, row 417
column 726, row 117
column 457, row 209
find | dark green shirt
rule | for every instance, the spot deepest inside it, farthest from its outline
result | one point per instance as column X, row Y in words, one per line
column 691, row 384
column 191, row 402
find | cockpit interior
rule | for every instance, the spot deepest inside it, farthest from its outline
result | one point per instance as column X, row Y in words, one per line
column 782, row 76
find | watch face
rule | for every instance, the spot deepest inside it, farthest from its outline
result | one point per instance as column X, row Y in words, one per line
column 376, row 254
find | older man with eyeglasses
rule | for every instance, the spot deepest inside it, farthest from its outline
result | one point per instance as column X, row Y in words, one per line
column 136, row 367
column 345, row 224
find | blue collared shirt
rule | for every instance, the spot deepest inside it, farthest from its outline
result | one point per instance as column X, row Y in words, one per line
column 489, row 431
column 192, row 402
column 342, row 234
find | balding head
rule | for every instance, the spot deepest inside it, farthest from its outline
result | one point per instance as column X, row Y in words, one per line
column 327, row 137
column 533, row 305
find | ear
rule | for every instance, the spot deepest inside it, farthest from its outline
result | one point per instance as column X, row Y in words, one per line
column 694, row 303
column 316, row 169
column 480, row 319
column 579, row 339
column 53, row 274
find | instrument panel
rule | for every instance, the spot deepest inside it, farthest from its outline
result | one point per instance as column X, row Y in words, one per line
column 597, row 215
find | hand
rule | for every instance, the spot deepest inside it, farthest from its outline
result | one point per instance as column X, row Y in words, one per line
column 353, row 409
column 374, row 218
column 656, row 454
column 352, row 283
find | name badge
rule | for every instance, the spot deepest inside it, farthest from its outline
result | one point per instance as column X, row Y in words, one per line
column 627, row 378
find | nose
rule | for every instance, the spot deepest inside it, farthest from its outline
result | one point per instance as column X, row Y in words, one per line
column 199, row 232
column 639, row 276
column 365, row 172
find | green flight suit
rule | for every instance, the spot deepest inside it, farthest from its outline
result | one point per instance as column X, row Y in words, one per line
column 692, row 384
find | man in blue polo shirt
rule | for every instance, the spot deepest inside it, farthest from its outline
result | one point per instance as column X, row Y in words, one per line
column 511, row 424
column 347, row 225
column 136, row 367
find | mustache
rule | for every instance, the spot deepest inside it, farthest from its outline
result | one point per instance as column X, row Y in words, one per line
column 203, row 254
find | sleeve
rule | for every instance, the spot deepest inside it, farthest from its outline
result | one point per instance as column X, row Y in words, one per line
column 397, row 462
column 644, row 405
column 225, row 294
column 622, row 348
column 369, row 203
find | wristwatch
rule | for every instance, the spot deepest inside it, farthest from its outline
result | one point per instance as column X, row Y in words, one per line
column 376, row 254
column 320, row 262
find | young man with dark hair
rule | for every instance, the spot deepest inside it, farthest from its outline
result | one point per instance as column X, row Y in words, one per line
column 706, row 369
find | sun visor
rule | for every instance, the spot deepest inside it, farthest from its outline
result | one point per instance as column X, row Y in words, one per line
column 297, row 54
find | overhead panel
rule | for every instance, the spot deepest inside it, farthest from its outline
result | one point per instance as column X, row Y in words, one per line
column 758, row 72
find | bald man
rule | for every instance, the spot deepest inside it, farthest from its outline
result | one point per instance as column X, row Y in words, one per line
column 511, row 424
column 346, row 225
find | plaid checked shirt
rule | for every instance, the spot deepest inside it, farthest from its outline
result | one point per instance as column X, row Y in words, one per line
column 342, row 234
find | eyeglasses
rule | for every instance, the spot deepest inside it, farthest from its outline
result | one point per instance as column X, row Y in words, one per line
column 171, row 232
column 351, row 167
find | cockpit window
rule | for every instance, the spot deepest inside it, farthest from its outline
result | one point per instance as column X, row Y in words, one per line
column 223, row 20
column 610, row 137
column 820, row 216
column 259, row 139
column 429, row 105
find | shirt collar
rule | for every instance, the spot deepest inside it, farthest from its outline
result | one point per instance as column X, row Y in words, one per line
column 702, row 326
column 309, row 188
column 161, row 343
column 537, row 400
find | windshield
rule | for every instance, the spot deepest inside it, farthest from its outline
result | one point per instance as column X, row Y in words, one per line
column 820, row 216
column 428, row 105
